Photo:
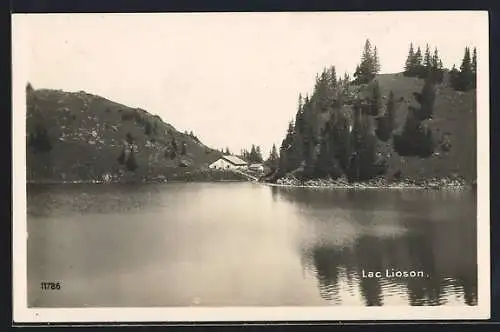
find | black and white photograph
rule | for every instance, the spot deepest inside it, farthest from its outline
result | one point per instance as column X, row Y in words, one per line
column 251, row 166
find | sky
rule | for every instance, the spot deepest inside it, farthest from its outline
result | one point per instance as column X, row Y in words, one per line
column 231, row 78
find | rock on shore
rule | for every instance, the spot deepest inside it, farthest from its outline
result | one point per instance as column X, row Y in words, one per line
column 431, row 183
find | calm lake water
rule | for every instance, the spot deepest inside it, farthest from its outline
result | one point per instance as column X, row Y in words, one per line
column 241, row 244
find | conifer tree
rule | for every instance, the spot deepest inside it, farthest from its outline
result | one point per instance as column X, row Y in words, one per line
column 300, row 103
column 466, row 61
column 426, row 100
column 415, row 138
column 346, row 79
column 437, row 71
column 357, row 73
column 474, row 60
column 167, row 153
column 385, row 123
column 376, row 61
column 474, row 69
column 454, row 77
column 173, row 154
column 332, row 78
column 327, row 164
column 366, row 57
column 466, row 71
column 174, row 146
column 375, row 100
column 131, row 163
column 29, row 90
column 253, row 153
column 332, row 87
column 406, row 143
column 465, row 78
column 427, row 146
column 340, row 138
column 409, row 64
column 417, row 62
column 287, row 156
column 309, row 129
column 309, row 160
column 362, row 160
column 367, row 69
column 300, row 118
column 320, row 95
column 258, row 154
column 427, row 65
column 129, row 138
column 435, row 60
column 273, row 160
column 324, row 160
column 299, row 149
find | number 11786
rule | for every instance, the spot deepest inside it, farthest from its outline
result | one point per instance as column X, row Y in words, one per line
column 46, row 285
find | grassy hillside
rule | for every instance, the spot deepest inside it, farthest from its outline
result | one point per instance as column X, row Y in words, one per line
column 454, row 121
column 87, row 134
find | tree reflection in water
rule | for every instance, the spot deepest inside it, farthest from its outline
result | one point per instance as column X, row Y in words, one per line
column 433, row 232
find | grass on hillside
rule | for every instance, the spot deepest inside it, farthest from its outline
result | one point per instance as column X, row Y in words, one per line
column 88, row 133
column 453, row 121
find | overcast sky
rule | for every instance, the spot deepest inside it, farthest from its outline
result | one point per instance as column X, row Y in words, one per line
column 231, row 78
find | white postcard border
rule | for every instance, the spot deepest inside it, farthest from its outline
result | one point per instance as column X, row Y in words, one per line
column 23, row 314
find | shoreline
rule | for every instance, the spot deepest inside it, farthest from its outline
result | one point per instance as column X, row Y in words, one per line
column 360, row 186
column 124, row 182
column 453, row 183
column 322, row 185
column 192, row 176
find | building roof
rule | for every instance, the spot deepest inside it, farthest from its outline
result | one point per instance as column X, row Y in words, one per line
column 234, row 160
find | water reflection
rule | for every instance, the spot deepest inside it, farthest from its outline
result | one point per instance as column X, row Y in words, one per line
column 57, row 200
column 230, row 244
column 432, row 232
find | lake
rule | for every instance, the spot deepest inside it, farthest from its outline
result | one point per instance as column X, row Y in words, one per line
column 248, row 244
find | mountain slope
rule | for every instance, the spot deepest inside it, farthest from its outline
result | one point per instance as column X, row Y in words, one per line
column 453, row 127
column 88, row 133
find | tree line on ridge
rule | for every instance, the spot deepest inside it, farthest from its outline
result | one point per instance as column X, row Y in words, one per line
column 338, row 129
